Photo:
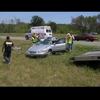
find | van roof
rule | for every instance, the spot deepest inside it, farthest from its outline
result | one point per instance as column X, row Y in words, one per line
column 40, row 27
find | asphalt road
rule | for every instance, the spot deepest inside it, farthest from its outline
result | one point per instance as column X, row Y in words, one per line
column 95, row 43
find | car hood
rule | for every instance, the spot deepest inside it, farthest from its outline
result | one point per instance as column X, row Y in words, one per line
column 37, row 47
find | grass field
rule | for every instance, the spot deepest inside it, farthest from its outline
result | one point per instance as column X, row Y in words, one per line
column 56, row 70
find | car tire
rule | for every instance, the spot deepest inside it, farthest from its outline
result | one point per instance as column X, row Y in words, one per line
column 26, row 37
column 87, row 40
column 54, row 53
column 49, row 53
column 92, row 40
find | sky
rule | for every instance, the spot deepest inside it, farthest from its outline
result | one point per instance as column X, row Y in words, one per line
column 57, row 17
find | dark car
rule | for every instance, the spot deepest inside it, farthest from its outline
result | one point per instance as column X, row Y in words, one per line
column 86, row 36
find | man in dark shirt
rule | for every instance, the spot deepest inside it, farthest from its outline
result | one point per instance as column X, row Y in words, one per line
column 7, row 45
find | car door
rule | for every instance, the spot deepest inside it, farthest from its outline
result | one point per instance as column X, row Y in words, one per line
column 83, row 36
column 79, row 37
column 59, row 45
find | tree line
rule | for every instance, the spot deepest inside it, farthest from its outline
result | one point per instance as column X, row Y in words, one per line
column 78, row 25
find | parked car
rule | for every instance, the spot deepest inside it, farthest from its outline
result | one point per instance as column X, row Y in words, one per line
column 86, row 36
column 93, row 33
column 47, row 47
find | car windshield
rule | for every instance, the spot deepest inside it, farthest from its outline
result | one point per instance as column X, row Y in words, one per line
column 45, row 42
column 89, row 34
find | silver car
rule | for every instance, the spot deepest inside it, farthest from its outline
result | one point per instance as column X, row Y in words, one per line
column 47, row 47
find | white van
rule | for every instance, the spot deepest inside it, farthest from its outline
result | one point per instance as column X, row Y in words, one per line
column 44, row 31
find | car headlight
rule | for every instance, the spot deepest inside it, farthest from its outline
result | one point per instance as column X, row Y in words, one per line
column 42, row 51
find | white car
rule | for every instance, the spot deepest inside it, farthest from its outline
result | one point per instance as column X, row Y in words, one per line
column 93, row 33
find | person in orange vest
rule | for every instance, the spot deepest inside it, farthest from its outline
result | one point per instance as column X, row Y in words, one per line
column 69, row 42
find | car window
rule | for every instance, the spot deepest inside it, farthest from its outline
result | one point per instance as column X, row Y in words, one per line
column 60, row 41
column 49, row 30
column 45, row 42
column 40, row 42
column 48, row 38
column 29, row 31
column 83, row 34
column 90, row 34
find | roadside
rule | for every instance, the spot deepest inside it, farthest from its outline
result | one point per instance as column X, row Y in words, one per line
column 94, row 43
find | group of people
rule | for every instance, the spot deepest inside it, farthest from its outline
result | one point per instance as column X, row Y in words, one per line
column 70, row 40
column 36, row 37
column 8, row 44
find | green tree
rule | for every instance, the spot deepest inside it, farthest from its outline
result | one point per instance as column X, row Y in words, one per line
column 37, row 21
column 78, row 23
column 53, row 25
column 98, row 23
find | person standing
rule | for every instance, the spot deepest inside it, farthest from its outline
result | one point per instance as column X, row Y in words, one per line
column 69, row 42
column 7, row 49
column 39, row 38
column 33, row 40
column 73, row 38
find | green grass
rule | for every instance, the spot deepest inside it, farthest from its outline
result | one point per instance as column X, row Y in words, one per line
column 55, row 70
column 13, row 34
